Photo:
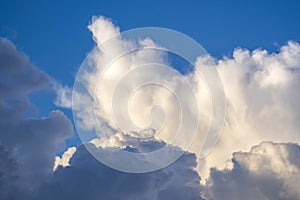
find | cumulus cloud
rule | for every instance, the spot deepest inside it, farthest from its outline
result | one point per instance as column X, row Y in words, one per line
column 149, row 106
column 28, row 145
column 261, row 92
column 269, row 171
column 262, row 100
column 262, row 105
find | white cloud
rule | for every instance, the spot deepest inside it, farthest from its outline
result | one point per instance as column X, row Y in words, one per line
column 102, row 29
column 263, row 102
column 64, row 159
column 261, row 91
column 65, row 96
column 143, row 108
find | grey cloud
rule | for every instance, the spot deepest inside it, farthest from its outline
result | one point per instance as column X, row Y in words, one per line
column 269, row 171
column 27, row 145
column 87, row 178
column 27, row 151
column 18, row 76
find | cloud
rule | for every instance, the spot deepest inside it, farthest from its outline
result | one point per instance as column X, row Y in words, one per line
column 262, row 100
column 65, row 96
column 95, row 180
column 18, row 76
column 166, row 106
column 8, row 175
column 261, row 92
column 269, row 171
column 64, row 159
column 27, row 145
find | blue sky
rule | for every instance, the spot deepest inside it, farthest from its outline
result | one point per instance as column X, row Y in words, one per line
column 261, row 122
column 55, row 34
column 56, row 38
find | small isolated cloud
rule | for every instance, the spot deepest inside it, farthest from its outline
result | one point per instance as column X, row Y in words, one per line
column 269, row 171
column 64, row 159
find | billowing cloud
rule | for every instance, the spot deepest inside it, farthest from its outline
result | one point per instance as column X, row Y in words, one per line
column 269, row 171
column 260, row 87
column 262, row 105
column 27, row 145
column 154, row 106
column 262, row 100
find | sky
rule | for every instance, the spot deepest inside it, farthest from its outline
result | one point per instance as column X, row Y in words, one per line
column 252, row 45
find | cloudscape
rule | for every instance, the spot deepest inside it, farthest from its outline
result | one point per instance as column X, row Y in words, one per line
column 107, row 105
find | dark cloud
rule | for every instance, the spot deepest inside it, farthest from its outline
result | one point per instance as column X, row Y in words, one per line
column 87, row 178
column 268, row 171
column 27, row 145
column 7, row 174
column 27, row 151
column 18, row 77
